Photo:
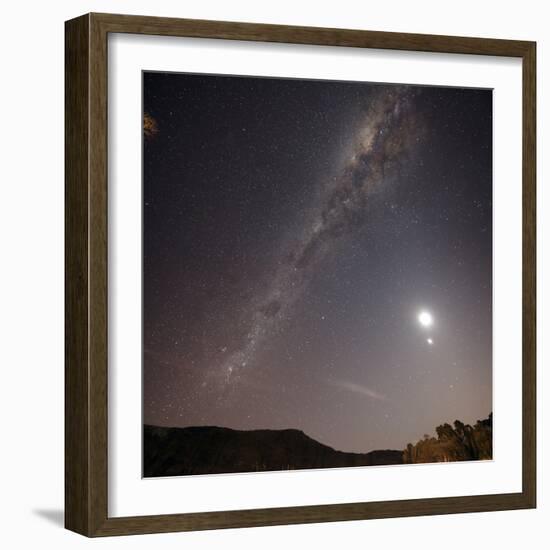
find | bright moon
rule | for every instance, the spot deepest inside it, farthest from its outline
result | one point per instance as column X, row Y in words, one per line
column 425, row 319
column 430, row 341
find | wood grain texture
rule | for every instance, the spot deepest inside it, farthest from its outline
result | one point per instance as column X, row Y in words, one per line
column 529, row 274
column 77, row 459
column 86, row 358
column 308, row 35
column 98, row 274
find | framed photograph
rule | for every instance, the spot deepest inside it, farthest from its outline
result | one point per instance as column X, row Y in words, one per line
column 300, row 275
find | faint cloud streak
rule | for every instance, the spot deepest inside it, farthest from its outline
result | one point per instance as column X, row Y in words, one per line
column 360, row 389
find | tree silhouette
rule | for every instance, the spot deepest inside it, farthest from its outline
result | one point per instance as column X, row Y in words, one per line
column 453, row 443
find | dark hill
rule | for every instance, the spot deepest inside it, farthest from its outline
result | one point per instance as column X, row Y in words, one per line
column 215, row 450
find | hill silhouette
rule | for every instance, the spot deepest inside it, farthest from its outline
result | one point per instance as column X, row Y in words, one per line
column 215, row 450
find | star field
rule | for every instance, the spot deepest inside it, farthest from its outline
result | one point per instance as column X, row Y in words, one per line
column 293, row 232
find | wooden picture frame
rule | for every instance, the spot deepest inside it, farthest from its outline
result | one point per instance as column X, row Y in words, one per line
column 86, row 283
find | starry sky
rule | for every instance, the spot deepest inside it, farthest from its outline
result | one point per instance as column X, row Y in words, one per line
column 294, row 231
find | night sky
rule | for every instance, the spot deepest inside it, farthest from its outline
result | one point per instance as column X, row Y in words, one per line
column 294, row 233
